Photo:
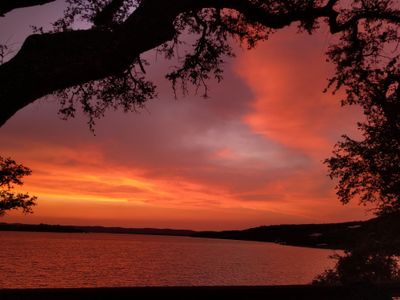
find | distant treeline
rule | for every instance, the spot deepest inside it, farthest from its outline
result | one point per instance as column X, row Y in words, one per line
column 91, row 229
column 330, row 236
column 348, row 235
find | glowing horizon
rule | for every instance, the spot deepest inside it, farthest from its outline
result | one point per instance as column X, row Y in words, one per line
column 251, row 155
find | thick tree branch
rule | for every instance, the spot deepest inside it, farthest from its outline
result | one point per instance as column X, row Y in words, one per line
column 257, row 14
column 335, row 27
column 50, row 62
column 8, row 5
column 106, row 15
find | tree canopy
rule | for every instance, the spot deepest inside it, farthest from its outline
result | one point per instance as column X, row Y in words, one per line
column 101, row 67
column 11, row 174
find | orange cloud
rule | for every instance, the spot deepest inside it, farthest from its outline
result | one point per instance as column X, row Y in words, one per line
column 288, row 79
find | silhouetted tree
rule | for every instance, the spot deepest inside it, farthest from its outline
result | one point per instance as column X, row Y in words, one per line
column 362, row 270
column 368, row 169
column 372, row 260
column 361, row 267
column 11, row 174
column 367, row 65
column 101, row 67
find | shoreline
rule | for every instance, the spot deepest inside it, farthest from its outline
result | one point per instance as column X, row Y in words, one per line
column 333, row 236
column 315, row 236
column 208, row 292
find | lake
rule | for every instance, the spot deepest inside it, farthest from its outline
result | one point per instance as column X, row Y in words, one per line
column 31, row 260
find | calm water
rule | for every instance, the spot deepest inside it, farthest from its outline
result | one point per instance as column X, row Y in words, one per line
column 93, row 260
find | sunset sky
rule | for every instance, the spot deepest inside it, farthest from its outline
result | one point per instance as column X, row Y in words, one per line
column 249, row 155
